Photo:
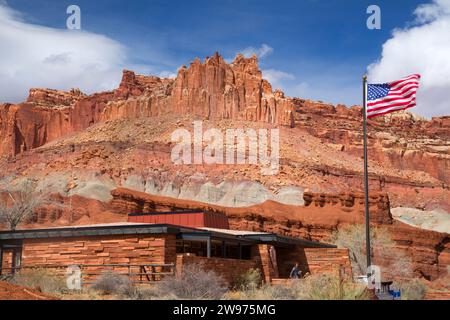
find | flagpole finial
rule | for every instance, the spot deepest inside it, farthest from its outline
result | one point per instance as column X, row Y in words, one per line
column 365, row 77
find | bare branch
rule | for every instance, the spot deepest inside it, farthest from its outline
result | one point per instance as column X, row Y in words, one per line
column 23, row 200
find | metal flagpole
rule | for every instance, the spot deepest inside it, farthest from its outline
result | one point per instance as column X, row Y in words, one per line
column 366, row 174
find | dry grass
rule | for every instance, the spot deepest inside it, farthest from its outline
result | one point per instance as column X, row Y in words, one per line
column 196, row 283
column 316, row 287
column 43, row 280
column 193, row 283
column 111, row 283
column 251, row 279
column 411, row 290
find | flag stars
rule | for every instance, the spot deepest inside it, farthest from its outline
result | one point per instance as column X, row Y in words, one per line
column 376, row 91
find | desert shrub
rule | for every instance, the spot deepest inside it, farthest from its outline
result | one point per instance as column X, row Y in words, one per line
column 411, row 290
column 250, row 279
column 394, row 262
column 6, row 277
column 114, row 283
column 194, row 282
column 41, row 279
column 153, row 293
column 330, row 287
column 317, row 287
column 264, row 292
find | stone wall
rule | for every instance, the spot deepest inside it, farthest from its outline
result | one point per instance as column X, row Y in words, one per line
column 313, row 260
column 265, row 257
column 287, row 257
column 6, row 262
column 328, row 260
column 127, row 249
column 229, row 269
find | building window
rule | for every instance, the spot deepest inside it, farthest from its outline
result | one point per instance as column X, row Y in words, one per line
column 229, row 251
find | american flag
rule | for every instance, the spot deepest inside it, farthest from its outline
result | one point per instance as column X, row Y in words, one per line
column 392, row 96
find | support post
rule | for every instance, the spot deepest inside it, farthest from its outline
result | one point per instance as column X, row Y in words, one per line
column 208, row 247
column 366, row 173
column 1, row 259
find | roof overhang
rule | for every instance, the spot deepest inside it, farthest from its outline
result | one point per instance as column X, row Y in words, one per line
column 275, row 239
column 184, row 233
column 205, row 235
column 92, row 231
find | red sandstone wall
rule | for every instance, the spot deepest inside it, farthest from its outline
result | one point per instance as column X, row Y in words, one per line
column 229, row 269
column 266, row 260
column 288, row 257
column 313, row 260
column 328, row 260
column 99, row 250
column 6, row 261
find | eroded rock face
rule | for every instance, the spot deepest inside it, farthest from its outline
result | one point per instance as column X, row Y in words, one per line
column 400, row 141
column 212, row 90
column 216, row 90
column 54, row 98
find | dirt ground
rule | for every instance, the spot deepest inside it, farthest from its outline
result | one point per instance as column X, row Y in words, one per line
column 9, row 291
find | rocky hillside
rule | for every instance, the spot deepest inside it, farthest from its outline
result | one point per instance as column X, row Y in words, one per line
column 409, row 155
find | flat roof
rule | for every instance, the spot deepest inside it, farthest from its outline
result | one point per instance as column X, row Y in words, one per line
column 93, row 230
column 153, row 213
column 234, row 232
column 135, row 228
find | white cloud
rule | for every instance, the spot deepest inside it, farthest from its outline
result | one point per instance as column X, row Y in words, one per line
column 261, row 52
column 167, row 74
column 37, row 56
column 423, row 48
column 432, row 11
column 303, row 89
column 277, row 77
column 324, row 89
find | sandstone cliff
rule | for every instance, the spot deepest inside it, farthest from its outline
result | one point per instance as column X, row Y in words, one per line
column 211, row 89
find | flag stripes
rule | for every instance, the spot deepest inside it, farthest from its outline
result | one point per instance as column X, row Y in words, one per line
column 393, row 96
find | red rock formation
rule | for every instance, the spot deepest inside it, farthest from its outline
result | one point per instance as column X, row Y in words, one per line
column 54, row 98
column 399, row 140
column 216, row 90
column 212, row 90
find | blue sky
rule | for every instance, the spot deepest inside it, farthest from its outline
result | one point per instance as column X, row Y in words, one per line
column 319, row 49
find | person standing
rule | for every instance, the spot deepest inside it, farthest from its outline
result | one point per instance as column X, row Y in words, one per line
column 295, row 272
